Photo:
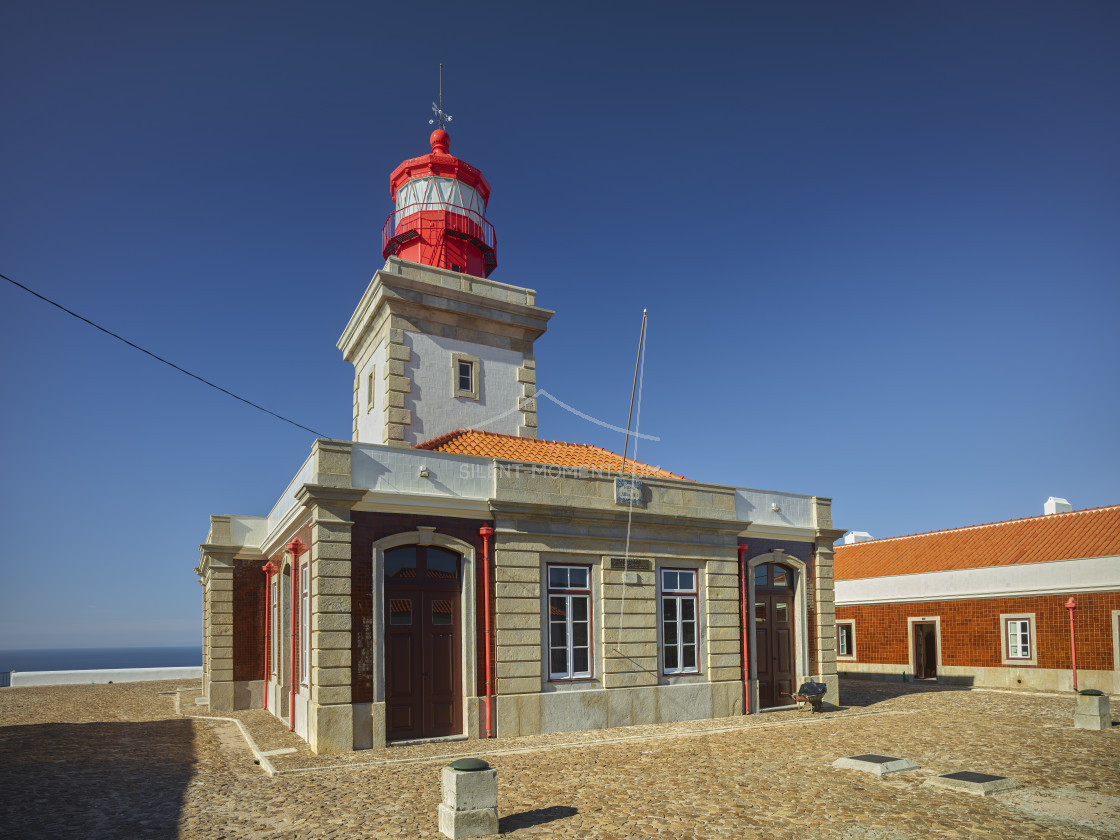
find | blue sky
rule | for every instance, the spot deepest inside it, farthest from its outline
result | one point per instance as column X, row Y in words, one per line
column 878, row 243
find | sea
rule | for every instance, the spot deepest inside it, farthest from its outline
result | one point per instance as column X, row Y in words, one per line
column 83, row 659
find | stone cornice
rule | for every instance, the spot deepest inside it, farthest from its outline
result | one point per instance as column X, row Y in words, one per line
column 214, row 556
column 779, row 532
column 401, row 293
column 639, row 517
column 830, row 535
column 313, row 494
column 411, row 503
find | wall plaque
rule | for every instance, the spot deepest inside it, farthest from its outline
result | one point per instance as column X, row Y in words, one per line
column 634, row 564
column 627, row 491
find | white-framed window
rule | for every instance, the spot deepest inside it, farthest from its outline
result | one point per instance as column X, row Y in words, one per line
column 371, row 388
column 679, row 622
column 1116, row 640
column 305, row 624
column 846, row 639
column 274, row 657
column 1018, row 639
column 569, row 622
column 466, row 370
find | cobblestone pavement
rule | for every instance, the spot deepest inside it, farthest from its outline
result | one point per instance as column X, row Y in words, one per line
column 117, row 761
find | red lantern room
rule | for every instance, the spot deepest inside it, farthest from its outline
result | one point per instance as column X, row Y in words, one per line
column 440, row 216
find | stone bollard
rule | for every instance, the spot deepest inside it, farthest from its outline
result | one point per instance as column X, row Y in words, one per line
column 470, row 799
column 1093, row 710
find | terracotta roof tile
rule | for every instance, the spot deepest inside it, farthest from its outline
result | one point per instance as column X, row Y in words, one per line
column 558, row 453
column 1038, row 539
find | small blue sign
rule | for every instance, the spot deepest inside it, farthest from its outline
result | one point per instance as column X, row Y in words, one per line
column 627, row 491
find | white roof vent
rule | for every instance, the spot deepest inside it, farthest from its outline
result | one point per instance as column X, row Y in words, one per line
column 857, row 537
column 1056, row 505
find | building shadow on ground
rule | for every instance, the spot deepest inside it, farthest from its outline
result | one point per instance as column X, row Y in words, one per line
column 538, row 816
column 103, row 780
column 857, row 694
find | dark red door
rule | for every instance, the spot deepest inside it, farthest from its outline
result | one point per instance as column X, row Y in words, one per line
column 774, row 648
column 440, row 654
column 925, row 650
column 423, row 633
column 773, row 634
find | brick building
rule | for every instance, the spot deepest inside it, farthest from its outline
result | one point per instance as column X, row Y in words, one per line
column 986, row 604
column 429, row 579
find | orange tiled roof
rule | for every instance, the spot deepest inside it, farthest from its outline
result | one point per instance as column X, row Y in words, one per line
column 1056, row 536
column 513, row 448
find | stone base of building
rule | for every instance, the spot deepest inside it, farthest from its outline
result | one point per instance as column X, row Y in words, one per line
column 331, row 728
column 360, row 726
column 570, row 711
column 1033, row 679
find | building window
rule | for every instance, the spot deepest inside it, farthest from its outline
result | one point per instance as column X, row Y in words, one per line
column 1116, row 640
column 1018, row 639
column 275, row 641
column 846, row 639
column 678, row 622
column 569, row 622
column 305, row 624
column 773, row 576
column 370, row 388
column 466, row 370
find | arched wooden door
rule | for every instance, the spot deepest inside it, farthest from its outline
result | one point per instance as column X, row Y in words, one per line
column 423, row 643
column 773, row 634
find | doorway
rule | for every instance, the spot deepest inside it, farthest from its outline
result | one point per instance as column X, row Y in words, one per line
column 423, row 643
column 925, row 650
column 773, row 634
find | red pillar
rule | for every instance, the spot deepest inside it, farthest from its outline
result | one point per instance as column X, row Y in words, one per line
column 1071, row 605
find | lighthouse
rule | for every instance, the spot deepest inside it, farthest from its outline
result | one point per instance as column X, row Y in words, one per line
column 440, row 213
column 436, row 345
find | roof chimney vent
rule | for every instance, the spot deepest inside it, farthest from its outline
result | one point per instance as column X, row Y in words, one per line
column 857, row 537
column 1056, row 505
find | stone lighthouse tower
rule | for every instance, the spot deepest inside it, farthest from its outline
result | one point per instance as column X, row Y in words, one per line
column 436, row 345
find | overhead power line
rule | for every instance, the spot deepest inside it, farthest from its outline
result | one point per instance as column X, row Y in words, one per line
column 161, row 359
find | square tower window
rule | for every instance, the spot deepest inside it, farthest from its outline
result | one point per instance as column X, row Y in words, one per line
column 466, row 370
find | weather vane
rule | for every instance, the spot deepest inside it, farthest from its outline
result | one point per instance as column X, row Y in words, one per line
column 440, row 117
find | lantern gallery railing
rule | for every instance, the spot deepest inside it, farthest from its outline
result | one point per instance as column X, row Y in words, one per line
column 405, row 223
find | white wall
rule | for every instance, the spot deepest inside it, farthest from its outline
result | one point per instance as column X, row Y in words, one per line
column 390, row 469
column 371, row 423
column 287, row 501
column 248, row 530
column 435, row 411
column 1093, row 574
column 757, row 507
column 102, row 676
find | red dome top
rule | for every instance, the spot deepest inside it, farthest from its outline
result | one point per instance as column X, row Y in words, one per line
column 441, row 142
